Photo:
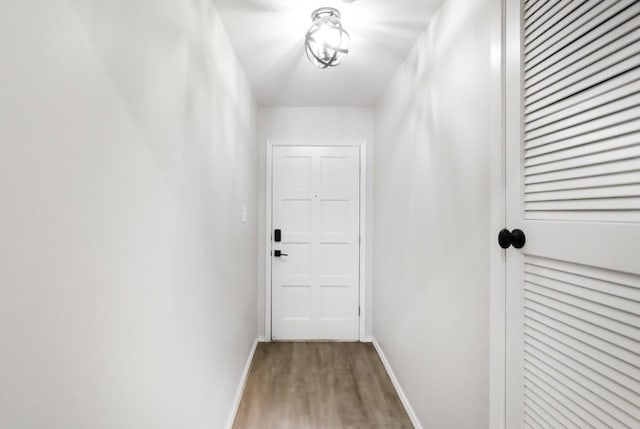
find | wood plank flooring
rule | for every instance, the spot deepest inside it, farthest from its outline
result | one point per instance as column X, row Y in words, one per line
column 319, row 386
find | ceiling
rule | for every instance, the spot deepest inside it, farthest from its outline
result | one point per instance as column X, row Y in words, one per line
column 268, row 36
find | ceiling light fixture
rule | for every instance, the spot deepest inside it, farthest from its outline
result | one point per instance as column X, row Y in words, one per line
column 327, row 42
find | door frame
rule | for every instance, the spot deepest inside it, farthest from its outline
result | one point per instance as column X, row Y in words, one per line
column 362, row 283
column 513, row 82
column 500, row 62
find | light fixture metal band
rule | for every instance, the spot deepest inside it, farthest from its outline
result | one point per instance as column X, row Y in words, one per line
column 330, row 11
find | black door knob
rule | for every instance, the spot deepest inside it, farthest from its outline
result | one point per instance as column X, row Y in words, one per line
column 278, row 253
column 515, row 238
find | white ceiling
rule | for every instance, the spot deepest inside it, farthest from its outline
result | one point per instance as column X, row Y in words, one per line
column 268, row 36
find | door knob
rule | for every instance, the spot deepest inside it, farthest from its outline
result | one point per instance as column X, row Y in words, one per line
column 278, row 253
column 515, row 238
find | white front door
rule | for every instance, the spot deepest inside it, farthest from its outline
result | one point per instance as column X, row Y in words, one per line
column 315, row 263
column 573, row 187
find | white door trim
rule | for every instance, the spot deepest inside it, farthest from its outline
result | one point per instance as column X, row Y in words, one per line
column 363, row 217
column 513, row 122
column 497, row 257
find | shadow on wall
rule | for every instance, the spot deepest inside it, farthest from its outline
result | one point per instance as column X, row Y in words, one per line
column 171, row 60
column 432, row 183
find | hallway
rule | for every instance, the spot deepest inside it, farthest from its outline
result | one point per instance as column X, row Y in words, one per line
column 405, row 213
column 319, row 385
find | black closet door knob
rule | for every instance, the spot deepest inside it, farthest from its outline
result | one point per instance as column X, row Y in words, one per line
column 515, row 238
column 518, row 239
column 504, row 238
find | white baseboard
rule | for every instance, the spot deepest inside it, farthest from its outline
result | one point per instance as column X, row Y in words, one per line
column 366, row 340
column 241, row 385
column 262, row 339
column 396, row 384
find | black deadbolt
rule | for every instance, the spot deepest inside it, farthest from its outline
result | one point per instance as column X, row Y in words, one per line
column 515, row 238
column 277, row 235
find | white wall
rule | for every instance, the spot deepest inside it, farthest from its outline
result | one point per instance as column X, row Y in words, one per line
column 315, row 123
column 434, row 138
column 127, row 280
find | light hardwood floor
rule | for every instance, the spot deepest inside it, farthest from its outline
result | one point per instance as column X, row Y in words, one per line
column 319, row 386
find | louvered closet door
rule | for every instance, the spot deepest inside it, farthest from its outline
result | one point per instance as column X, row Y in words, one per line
column 573, row 185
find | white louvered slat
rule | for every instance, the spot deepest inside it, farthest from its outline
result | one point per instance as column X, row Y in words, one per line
column 617, row 27
column 583, row 194
column 626, row 165
column 601, row 114
column 612, row 180
column 571, row 415
column 559, row 152
column 606, row 68
column 606, row 92
column 550, row 19
column 549, row 297
column 587, row 324
column 582, row 348
column 562, row 75
column 586, row 337
column 600, row 103
column 612, row 130
column 619, row 123
column 534, row 17
column 591, row 166
column 604, row 361
column 585, row 271
column 577, row 368
column 554, row 408
column 618, row 305
column 541, row 15
column 533, row 44
column 625, row 292
column 531, row 6
column 564, row 378
column 576, row 311
column 586, row 348
column 592, row 159
column 579, row 405
column 601, row 36
column 627, row 216
column 534, row 420
column 542, row 414
column 583, row 21
column 604, row 205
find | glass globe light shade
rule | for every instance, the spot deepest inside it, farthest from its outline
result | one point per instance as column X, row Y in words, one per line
column 327, row 42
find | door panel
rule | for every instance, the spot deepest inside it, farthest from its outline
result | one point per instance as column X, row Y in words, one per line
column 316, row 204
column 573, row 185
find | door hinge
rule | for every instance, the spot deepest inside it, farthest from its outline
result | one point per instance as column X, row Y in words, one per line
column 358, row 310
column 360, row 239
